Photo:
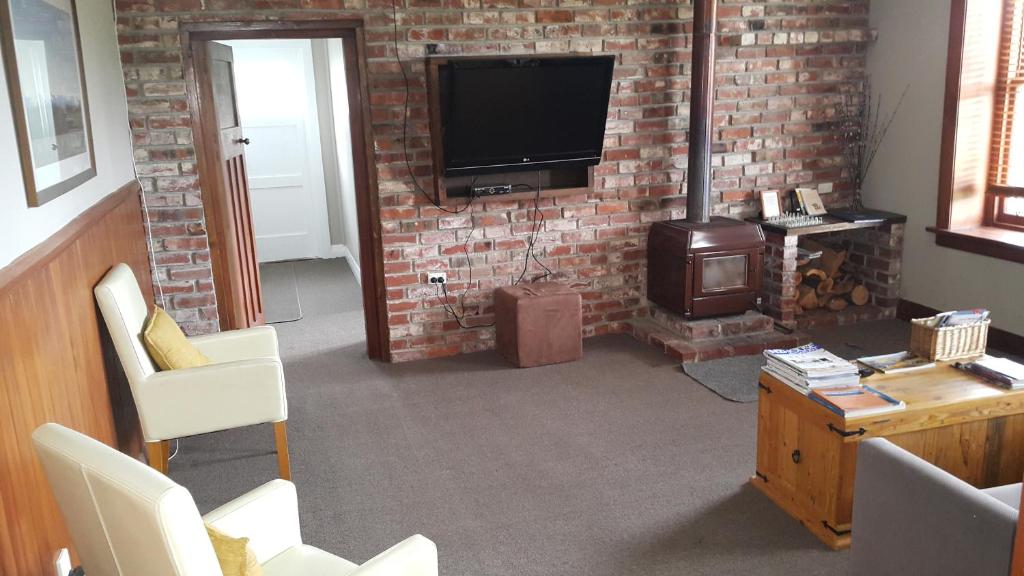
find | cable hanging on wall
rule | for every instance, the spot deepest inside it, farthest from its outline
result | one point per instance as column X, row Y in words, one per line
column 538, row 216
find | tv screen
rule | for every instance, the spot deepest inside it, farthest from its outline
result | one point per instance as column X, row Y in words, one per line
column 507, row 114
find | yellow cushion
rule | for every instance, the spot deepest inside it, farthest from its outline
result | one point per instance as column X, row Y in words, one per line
column 233, row 554
column 167, row 344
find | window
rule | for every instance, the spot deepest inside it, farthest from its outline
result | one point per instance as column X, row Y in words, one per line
column 981, row 178
column 1005, row 203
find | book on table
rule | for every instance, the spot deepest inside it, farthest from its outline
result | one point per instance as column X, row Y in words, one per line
column 896, row 363
column 1002, row 371
column 856, row 401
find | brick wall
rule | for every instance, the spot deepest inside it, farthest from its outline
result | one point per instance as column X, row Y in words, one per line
column 782, row 67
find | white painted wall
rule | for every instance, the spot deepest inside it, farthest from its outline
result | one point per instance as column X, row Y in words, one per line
column 911, row 48
column 278, row 111
column 21, row 227
column 343, row 140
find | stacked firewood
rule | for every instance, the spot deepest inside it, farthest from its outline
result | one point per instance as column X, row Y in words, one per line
column 828, row 281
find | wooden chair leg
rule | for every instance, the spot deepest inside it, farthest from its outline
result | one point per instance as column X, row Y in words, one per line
column 157, row 455
column 167, row 455
column 284, row 464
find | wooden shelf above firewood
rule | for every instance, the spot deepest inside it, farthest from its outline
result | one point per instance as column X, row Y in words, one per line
column 831, row 224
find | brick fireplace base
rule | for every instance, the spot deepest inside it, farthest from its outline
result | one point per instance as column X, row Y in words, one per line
column 874, row 252
column 710, row 338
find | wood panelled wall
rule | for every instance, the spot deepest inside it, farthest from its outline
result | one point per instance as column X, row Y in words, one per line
column 58, row 365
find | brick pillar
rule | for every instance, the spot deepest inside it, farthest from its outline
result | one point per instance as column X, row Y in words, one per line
column 779, row 290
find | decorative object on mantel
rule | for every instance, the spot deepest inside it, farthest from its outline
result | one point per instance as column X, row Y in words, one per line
column 793, row 220
column 828, row 223
column 810, row 201
column 771, row 204
column 863, row 127
column 43, row 58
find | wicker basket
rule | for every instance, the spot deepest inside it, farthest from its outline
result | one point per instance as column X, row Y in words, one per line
column 950, row 342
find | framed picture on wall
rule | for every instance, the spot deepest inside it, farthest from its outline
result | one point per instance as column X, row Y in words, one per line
column 42, row 55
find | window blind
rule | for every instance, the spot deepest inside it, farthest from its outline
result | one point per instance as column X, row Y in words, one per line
column 1006, row 167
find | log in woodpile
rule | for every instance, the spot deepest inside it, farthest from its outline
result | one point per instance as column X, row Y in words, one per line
column 844, row 285
column 828, row 281
column 824, row 288
column 860, row 295
column 837, row 303
column 806, row 298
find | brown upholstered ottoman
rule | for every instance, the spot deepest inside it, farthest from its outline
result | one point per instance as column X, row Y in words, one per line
column 539, row 323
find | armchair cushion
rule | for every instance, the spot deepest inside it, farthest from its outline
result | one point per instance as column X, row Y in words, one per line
column 167, row 344
column 233, row 554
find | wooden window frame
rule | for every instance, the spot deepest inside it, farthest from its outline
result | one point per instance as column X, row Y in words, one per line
column 1006, row 96
column 966, row 216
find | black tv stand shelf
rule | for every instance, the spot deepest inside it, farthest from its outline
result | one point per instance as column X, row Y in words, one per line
column 553, row 182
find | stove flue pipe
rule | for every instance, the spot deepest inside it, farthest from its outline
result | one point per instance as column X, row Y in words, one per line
column 702, row 103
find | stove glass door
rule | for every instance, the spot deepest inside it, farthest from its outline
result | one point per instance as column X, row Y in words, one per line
column 722, row 273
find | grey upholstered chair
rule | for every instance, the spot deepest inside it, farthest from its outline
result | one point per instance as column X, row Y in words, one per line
column 911, row 517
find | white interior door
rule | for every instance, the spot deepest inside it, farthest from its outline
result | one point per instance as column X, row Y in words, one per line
column 277, row 106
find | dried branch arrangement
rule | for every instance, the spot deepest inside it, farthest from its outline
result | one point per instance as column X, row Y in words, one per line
column 863, row 127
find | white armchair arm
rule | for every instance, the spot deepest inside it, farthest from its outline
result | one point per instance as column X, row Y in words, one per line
column 414, row 556
column 268, row 516
column 256, row 342
column 178, row 403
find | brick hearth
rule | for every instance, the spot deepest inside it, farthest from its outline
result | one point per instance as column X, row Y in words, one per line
column 711, row 338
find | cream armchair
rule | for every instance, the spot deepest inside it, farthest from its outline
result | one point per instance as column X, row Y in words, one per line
column 243, row 384
column 128, row 520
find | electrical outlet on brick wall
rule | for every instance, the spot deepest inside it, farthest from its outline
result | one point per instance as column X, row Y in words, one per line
column 437, row 278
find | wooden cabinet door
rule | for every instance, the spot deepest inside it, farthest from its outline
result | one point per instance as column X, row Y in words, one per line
column 799, row 458
column 237, row 276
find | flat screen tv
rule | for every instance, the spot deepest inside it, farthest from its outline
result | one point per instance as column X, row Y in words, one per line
column 507, row 114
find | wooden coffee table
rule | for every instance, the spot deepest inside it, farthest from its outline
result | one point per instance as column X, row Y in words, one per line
column 807, row 454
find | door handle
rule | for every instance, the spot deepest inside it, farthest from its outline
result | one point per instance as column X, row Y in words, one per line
column 242, row 141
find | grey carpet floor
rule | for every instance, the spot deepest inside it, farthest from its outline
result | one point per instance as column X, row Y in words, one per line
column 280, row 286
column 614, row 465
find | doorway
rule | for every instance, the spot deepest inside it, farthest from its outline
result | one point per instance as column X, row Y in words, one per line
column 281, row 123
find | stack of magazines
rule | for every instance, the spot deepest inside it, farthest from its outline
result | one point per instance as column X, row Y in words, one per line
column 811, row 366
column 1002, row 371
column 959, row 318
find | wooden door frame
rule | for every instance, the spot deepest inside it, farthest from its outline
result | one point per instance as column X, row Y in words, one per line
column 371, row 255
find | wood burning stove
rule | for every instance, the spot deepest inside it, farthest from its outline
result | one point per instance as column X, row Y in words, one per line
column 703, row 266
column 701, row 269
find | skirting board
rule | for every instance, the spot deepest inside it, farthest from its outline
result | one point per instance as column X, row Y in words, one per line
column 1000, row 339
column 341, row 251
